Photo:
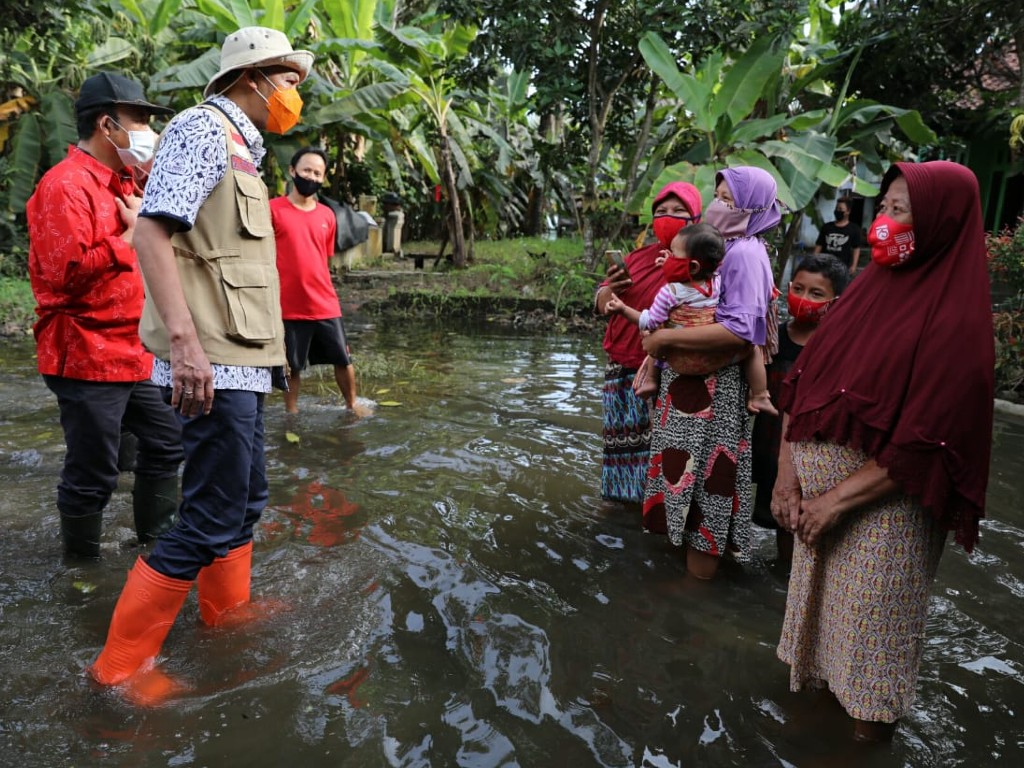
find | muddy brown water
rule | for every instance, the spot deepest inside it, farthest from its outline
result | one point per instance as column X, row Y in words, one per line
column 456, row 595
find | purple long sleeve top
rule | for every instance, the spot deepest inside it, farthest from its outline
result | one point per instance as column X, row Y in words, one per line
column 747, row 287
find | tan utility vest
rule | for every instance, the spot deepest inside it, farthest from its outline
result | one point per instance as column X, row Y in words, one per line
column 227, row 264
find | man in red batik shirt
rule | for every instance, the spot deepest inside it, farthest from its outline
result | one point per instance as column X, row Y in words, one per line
column 89, row 295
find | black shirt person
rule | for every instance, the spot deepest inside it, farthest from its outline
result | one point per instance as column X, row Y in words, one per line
column 841, row 238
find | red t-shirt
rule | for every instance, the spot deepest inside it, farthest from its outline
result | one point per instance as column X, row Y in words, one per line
column 305, row 244
column 85, row 277
column 622, row 338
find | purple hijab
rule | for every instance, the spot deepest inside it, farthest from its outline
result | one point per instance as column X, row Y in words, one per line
column 747, row 282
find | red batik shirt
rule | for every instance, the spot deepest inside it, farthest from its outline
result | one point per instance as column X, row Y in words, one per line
column 85, row 277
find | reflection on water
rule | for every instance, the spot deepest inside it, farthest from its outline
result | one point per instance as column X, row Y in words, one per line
column 452, row 592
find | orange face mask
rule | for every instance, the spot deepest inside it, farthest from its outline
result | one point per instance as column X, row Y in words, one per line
column 285, row 107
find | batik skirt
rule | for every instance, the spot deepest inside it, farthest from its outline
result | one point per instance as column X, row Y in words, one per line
column 627, row 437
column 698, row 484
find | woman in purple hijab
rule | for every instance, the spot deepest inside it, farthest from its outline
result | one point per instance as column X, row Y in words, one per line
column 698, row 485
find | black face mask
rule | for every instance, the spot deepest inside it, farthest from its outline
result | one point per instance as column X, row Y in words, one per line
column 839, row 214
column 306, row 187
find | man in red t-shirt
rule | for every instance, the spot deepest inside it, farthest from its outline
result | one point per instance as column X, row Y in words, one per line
column 313, row 330
column 88, row 289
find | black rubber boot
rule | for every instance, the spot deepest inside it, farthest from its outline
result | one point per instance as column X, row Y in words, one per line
column 154, row 504
column 81, row 534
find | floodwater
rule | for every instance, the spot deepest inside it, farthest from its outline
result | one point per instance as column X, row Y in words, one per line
column 457, row 596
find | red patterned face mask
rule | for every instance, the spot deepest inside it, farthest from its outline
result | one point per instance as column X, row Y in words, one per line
column 891, row 243
column 805, row 310
column 666, row 227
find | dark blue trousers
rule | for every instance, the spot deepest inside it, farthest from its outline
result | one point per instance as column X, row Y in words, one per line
column 92, row 414
column 223, row 485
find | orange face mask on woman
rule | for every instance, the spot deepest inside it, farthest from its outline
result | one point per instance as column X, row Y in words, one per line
column 285, row 106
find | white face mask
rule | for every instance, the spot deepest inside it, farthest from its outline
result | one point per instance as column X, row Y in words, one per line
column 141, row 146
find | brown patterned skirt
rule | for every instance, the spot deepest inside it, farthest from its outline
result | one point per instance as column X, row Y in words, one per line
column 858, row 601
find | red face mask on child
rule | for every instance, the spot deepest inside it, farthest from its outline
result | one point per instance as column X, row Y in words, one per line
column 891, row 243
column 805, row 310
column 679, row 270
column 666, row 227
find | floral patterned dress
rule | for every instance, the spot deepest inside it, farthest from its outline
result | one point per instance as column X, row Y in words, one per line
column 857, row 602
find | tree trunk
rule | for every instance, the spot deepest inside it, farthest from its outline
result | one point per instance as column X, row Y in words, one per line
column 534, row 223
column 629, row 185
column 792, row 230
column 600, row 99
column 448, row 175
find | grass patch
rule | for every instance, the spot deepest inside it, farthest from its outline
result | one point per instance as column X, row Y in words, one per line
column 17, row 305
column 529, row 267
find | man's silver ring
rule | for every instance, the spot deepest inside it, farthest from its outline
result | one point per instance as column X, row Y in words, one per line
column 187, row 392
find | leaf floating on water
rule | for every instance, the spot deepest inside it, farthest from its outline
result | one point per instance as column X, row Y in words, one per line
column 291, row 437
column 389, row 403
column 84, row 587
column 382, row 391
column 520, row 380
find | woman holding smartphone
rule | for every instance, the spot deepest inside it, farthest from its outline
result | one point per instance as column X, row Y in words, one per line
column 627, row 427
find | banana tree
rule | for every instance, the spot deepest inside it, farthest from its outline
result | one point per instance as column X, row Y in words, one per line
column 37, row 125
column 426, row 53
column 356, row 82
column 735, row 113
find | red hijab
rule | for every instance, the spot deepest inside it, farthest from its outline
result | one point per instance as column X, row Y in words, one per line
column 622, row 337
column 902, row 367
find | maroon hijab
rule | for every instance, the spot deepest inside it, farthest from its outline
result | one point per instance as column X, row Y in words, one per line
column 902, row 366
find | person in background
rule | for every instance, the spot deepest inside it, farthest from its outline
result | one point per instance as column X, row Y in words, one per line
column 89, row 294
column 627, row 426
column 212, row 318
column 887, row 441
column 841, row 238
column 305, row 232
column 817, row 283
column 698, row 487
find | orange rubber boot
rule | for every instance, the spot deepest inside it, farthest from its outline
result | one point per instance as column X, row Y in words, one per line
column 143, row 616
column 224, row 587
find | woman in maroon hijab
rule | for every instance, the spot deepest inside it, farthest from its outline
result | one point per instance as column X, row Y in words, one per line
column 889, row 430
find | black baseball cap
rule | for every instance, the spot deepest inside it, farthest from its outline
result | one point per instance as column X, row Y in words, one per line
column 107, row 89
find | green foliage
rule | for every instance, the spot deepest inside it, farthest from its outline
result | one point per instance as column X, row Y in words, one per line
column 951, row 59
column 736, row 124
column 13, row 250
column 1009, row 338
column 1006, row 264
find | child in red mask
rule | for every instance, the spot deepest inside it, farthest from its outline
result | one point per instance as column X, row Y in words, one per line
column 689, row 298
column 816, row 284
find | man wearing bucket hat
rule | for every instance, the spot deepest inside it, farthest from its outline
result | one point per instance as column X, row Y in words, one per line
column 212, row 318
column 89, row 295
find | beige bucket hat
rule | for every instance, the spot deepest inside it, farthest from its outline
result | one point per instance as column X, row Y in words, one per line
column 258, row 46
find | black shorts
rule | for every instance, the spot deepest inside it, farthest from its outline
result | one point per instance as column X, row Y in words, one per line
column 315, row 342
